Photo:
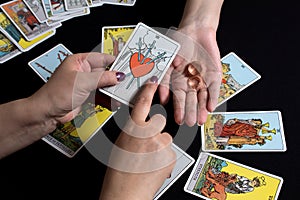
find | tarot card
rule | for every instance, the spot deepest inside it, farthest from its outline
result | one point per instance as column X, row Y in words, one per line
column 62, row 16
column 237, row 75
column 114, row 38
column 7, row 48
column 45, row 64
column 120, row 2
column 183, row 163
column 147, row 53
column 95, row 3
column 57, row 7
column 16, row 37
column 70, row 137
column 21, row 16
column 76, row 4
column 37, row 9
column 243, row 131
column 214, row 177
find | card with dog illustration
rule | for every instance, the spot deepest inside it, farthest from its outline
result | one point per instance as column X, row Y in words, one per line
column 243, row 131
column 217, row 178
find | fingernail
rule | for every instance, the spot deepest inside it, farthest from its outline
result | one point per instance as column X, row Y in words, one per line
column 154, row 79
column 169, row 176
column 120, row 76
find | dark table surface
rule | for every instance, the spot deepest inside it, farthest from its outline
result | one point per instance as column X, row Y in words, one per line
column 263, row 33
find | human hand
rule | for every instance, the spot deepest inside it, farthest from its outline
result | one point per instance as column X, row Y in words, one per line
column 198, row 49
column 142, row 157
column 72, row 83
column 197, row 35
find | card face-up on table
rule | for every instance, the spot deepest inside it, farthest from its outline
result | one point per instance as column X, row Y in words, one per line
column 214, row 177
column 7, row 48
column 71, row 136
column 237, row 75
column 183, row 163
column 243, row 131
column 114, row 38
column 147, row 53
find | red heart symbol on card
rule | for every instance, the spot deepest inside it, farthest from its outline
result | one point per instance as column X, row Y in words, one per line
column 139, row 69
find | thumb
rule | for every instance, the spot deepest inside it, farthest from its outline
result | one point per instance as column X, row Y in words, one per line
column 90, row 81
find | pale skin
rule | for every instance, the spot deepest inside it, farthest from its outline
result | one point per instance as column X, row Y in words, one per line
column 136, row 186
column 27, row 120
column 24, row 121
column 199, row 24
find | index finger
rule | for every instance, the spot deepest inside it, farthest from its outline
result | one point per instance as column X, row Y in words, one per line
column 143, row 101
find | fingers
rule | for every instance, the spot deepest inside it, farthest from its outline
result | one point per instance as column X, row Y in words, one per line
column 214, row 92
column 191, row 107
column 163, row 89
column 97, row 60
column 89, row 81
column 143, row 101
column 179, row 97
column 202, row 107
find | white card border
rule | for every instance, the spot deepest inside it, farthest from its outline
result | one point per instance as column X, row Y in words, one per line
column 192, row 161
column 258, row 76
column 236, row 163
column 112, row 27
column 248, row 150
column 124, row 48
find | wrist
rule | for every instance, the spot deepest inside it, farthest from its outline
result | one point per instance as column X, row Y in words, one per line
column 201, row 14
column 21, row 124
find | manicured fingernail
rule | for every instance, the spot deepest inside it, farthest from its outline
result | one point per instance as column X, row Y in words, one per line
column 120, row 76
column 154, row 79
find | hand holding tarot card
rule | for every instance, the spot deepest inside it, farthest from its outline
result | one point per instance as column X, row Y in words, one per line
column 147, row 53
column 71, row 136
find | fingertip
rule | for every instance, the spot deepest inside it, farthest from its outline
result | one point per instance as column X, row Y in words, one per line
column 154, row 79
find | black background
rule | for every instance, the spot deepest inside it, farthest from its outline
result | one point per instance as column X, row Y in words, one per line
column 263, row 33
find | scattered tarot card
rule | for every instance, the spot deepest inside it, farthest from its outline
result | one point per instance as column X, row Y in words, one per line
column 24, row 20
column 237, row 75
column 214, row 177
column 71, row 4
column 243, row 131
column 119, row 2
column 45, row 64
column 183, row 163
column 147, row 53
column 7, row 48
column 70, row 137
column 16, row 37
column 37, row 9
column 114, row 38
